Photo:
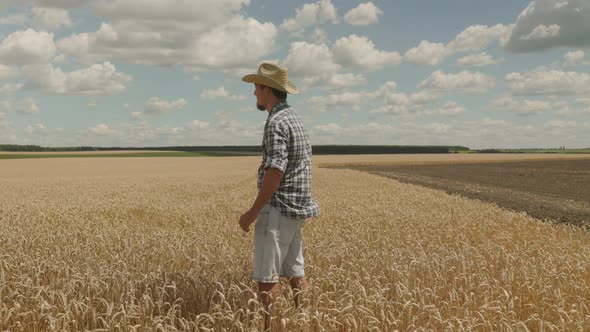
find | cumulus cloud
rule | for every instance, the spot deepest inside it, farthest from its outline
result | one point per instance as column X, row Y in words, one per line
column 330, row 128
column 103, row 130
column 478, row 60
column 477, row 37
column 363, row 14
column 450, row 108
column 426, row 53
column 27, row 47
column 308, row 60
column 212, row 49
column 37, row 128
column 8, row 72
column 16, row 19
column 473, row 38
column 464, row 81
column 542, row 81
column 198, row 125
column 383, row 101
column 543, row 32
column 526, row 106
column 155, row 105
column 572, row 58
column 437, row 128
column 25, row 106
column 50, row 19
column 359, row 51
column 310, row 15
column 334, row 80
column 10, row 88
column 197, row 35
column 220, row 93
column 98, row 79
column 562, row 124
column 545, row 24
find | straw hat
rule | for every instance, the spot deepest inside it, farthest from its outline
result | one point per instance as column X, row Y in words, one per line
column 274, row 76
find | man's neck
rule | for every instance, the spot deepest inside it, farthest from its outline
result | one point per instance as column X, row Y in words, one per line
column 272, row 105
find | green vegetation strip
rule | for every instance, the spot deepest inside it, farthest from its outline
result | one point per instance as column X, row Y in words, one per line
column 121, row 155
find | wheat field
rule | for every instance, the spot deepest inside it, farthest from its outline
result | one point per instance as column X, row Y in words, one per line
column 153, row 244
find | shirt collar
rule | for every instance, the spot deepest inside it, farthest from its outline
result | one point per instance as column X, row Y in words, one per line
column 279, row 107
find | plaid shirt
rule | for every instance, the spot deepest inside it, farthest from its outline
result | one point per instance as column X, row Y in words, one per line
column 286, row 147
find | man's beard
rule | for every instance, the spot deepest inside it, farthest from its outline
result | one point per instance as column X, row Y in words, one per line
column 260, row 107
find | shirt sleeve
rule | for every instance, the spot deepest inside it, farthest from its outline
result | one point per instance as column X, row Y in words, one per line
column 276, row 147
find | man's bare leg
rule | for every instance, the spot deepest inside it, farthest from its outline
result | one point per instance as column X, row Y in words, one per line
column 298, row 285
column 268, row 292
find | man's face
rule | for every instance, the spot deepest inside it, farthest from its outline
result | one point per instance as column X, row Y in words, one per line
column 259, row 91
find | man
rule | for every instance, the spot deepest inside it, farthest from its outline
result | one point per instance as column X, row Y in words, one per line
column 284, row 189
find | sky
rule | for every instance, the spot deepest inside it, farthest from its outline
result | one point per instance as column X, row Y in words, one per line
column 146, row 73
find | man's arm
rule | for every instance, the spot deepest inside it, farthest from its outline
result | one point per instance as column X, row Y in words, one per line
column 270, row 183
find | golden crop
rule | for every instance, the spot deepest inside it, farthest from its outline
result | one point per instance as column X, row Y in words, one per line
column 153, row 244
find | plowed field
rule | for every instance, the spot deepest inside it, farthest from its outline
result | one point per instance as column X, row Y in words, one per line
column 545, row 189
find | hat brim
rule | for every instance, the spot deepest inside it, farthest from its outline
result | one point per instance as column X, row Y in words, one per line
column 267, row 81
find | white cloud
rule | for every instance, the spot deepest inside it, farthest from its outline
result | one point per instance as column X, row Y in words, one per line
column 450, row 108
column 437, row 128
column 63, row 4
column 216, row 48
column 543, row 81
column 487, row 122
column 220, row 93
column 320, row 66
column 526, row 106
column 8, row 72
column 473, row 38
column 318, row 36
column 27, row 47
column 546, row 24
column 330, row 128
column 359, row 51
column 50, row 19
column 562, row 124
column 464, row 81
column 478, row 37
column 25, row 106
column 363, row 14
column 560, row 4
column 155, row 105
column 197, row 35
column 383, row 101
column 308, row 60
column 103, row 130
column 478, row 60
column 17, row 19
column 198, row 125
column 309, row 15
column 10, row 88
column 572, row 58
column 426, row 53
column 334, row 80
column 98, row 79
column 37, row 128
column 543, row 32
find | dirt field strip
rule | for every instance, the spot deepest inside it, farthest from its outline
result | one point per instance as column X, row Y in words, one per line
column 555, row 189
column 119, row 244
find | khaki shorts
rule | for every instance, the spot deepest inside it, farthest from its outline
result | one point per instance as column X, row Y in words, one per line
column 277, row 246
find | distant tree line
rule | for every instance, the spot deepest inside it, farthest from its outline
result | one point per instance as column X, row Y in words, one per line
column 254, row 149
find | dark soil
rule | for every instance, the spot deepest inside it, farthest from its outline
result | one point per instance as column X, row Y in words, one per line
column 550, row 189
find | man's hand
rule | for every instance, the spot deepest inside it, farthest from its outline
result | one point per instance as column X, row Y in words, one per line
column 247, row 219
column 270, row 183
